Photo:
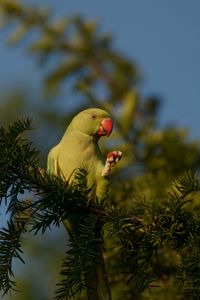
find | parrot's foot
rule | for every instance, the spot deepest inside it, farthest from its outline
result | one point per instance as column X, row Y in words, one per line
column 111, row 160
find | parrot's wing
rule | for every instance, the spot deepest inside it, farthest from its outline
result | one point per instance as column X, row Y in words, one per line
column 52, row 162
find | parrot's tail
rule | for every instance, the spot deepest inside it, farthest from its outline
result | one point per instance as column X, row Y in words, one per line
column 97, row 281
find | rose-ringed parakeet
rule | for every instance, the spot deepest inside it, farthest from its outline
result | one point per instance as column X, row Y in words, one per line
column 77, row 149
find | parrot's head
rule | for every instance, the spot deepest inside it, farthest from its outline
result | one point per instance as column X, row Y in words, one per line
column 93, row 121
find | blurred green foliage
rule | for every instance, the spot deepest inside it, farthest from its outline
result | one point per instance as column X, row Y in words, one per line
column 82, row 61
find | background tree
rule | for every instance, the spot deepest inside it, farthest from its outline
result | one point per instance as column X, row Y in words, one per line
column 154, row 250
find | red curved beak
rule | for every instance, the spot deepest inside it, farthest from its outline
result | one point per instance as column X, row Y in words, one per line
column 105, row 128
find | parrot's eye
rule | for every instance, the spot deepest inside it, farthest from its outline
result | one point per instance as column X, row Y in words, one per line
column 93, row 116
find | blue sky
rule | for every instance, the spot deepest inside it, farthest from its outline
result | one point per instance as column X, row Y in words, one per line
column 162, row 37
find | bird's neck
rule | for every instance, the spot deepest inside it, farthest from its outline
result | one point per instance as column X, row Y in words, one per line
column 85, row 139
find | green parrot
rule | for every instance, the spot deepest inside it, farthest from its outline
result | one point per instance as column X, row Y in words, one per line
column 79, row 148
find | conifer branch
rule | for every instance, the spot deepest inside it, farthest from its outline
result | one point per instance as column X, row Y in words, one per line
column 10, row 248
